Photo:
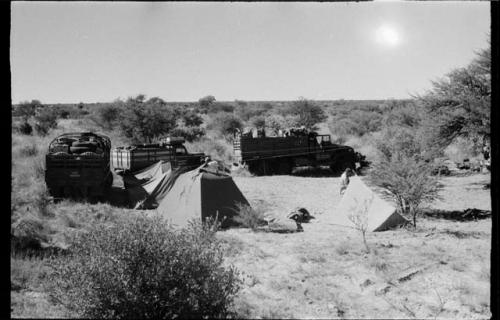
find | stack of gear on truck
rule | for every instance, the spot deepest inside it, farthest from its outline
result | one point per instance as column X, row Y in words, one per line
column 171, row 150
column 298, row 147
column 77, row 165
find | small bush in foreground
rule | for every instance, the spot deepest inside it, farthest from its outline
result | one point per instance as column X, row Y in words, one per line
column 145, row 269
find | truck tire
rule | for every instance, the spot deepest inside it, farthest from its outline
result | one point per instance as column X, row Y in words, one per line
column 258, row 167
column 91, row 146
column 89, row 154
column 340, row 165
column 285, row 167
column 79, row 150
column 87, row 144
column 61, row 154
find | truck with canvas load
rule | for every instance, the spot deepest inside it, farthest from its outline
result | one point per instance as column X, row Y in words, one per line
column 139, row 156
column 279, row 155
column 77, row 165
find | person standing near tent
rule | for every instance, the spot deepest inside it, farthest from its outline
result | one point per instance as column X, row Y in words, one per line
column 344, row 179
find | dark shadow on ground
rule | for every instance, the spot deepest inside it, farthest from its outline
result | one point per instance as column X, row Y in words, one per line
column 283, row 230
column 456, row 215
column 117, row 197
column 312, row 172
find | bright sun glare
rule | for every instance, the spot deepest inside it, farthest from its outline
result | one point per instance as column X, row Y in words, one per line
column 388, row 36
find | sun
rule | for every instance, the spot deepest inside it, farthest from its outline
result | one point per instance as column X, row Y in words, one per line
column 387, row 36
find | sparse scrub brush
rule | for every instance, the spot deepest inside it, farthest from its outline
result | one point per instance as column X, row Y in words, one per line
column 408, row 181
column 143, row 268
column 25, row 128
column 359, row 217
column 29, row 150
column 45, row 119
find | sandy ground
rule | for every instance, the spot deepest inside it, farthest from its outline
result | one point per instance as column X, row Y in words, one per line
column 324, row 272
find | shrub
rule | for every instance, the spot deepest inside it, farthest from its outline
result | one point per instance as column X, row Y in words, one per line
column 145, row 269
column 275, row 123
column 25, row 128
column 191, row 119
column 189, row 133
column 26, row 109
column 258, row 122
column 247, row 111
column 45, row 119
column 226, row 124
column 356, row 122
column 409, row 182
column 206, row 101
column 395, row 141
column 308, row 113
column 30, row 150
column 249, row 217
column 108, row 115
column 143, row 121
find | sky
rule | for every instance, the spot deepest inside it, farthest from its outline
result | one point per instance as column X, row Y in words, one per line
column 70, row 52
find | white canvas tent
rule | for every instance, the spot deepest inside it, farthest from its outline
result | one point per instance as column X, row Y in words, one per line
column 358, row 197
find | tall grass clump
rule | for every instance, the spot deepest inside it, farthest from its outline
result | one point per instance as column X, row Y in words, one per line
column 143, row 268
column 249, row 217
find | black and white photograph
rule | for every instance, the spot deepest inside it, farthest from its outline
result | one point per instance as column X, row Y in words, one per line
column 251, row 160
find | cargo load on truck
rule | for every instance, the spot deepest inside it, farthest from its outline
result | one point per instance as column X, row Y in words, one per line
column 77, row 165
column 295, row 148
column 139, row 156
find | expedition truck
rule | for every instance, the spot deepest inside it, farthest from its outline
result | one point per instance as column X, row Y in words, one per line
column 279, row 155
column 77, row 165
column 171, row 149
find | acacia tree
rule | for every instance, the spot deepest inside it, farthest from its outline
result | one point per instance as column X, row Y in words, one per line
column 461, row 101
column 206, row 101
column 402, row 170
column 408, row 181
column 143, row 121
column 308, row 114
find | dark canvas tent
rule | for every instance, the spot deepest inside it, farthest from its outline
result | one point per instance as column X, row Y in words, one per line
column 146, row 188
column 380, row 214
column 200, row 194
column 142, row 176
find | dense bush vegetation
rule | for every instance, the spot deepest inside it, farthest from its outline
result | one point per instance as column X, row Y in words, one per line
column 461, row 101
column 307, row 113
column 226, row 124
column 144, row 269
column 45, row 119
column 189, row 133
column 25, row 128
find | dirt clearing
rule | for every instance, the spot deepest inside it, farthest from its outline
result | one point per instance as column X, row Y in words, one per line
column 440, row 270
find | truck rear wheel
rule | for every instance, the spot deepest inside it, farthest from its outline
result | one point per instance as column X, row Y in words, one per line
column 284, row 167
column 259, row 167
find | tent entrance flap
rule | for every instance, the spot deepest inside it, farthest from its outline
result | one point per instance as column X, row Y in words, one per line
column 220, row 195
